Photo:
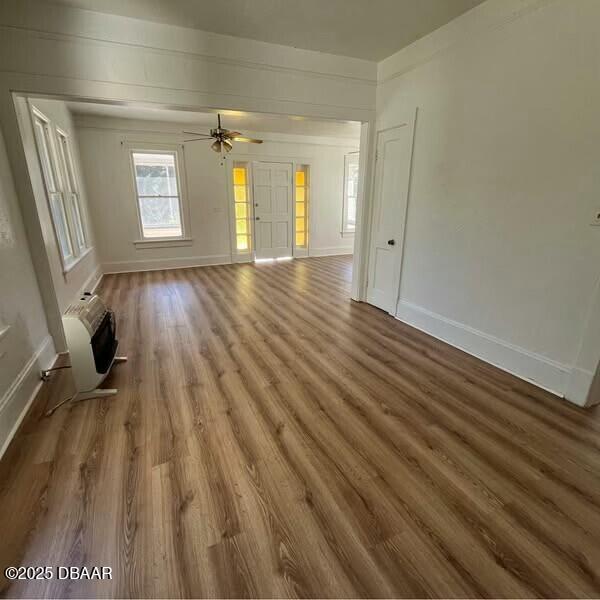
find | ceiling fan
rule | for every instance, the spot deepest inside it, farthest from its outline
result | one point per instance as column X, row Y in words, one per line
column 222, row 137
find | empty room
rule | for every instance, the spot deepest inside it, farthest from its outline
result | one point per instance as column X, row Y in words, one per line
column 299, row 299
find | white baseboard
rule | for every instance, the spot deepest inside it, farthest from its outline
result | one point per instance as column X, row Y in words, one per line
column 18, row 398
column 579, row 385
column 92, row 282
column 161, row 264
column 333, row 251
column 535, row 368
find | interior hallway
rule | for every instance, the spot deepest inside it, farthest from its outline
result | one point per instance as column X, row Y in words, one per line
column 273, row 438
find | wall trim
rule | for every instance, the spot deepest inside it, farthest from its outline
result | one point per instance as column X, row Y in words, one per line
column 91, row 283
column 543, row 372
column 162, row 264
column 192, row 55
column 17, row 399
column 579, row 386
column 187, row 41
column 330, row 251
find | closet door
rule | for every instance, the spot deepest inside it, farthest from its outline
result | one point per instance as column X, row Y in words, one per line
column 392, row 177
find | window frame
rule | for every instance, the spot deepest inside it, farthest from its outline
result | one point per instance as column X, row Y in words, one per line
column 306, row 170
column 177, row 152
column 70, row 185
column 51, row 173
column 249, row 250
column 347, row 228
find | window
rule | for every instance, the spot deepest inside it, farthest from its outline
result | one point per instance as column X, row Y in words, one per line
column 62, row 212
column 158, row 194
column 242, row 208
column 71, row 192
column 301, row 225
column 350, row 192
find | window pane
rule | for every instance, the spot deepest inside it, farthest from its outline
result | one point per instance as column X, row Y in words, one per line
column 76, row 214
column 241, row 226
column 300, row 196
column 300, row 238
column 155, row 174
column 60, row 223
column 239, row 193
column 351, row 162
column 241, row 211
column 239, row 176
column 300, row 224
column 351, row 211
column 300, row 178
column 65, row 153
column 160, row 217
column 299, row 209
column 353, row 179
column 242, row 242
column 43, row 140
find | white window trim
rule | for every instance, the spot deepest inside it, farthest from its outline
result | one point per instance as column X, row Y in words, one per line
column 70, row 172
column 185, row 238
column 347, row 230
column 77, row 253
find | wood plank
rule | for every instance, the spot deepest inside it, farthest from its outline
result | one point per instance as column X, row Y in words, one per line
column 272, row 438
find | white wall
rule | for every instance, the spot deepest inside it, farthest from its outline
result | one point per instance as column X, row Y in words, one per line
column 84, row 274
column 500, row 257
column 106, row 167
column 25, row 345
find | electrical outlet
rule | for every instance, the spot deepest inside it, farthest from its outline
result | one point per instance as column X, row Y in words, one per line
column 596, row 217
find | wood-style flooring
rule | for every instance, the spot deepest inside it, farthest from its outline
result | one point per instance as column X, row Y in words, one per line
column 272, row 438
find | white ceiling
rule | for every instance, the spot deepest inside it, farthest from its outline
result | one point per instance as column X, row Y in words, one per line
column 368, row 29
column 240, row 121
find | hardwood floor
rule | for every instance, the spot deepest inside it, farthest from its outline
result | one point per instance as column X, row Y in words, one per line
column 272, row 438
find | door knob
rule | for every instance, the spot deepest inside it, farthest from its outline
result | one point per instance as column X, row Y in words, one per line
column 391, row 242
column 257, row 218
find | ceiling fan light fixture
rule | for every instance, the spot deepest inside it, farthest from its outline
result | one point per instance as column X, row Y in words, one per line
column 223, row 138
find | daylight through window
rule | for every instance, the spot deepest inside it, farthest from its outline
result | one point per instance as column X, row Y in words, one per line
column 158, row 194
column 350, row 192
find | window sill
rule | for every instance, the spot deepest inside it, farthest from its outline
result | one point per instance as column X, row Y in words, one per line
column 162, row 243
column 73, row 263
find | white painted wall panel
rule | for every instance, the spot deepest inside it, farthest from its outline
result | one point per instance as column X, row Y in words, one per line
column 505, row 180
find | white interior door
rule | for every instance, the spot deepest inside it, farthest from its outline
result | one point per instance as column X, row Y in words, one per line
column 273, row 227
column 392, row 175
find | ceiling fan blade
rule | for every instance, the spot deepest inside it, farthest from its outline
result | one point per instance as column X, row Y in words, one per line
column 197, row 134
column 241, row 138
column 202, row 139
column 230, row 134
